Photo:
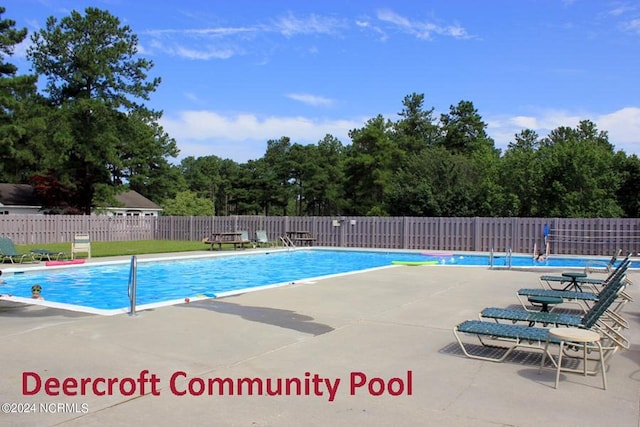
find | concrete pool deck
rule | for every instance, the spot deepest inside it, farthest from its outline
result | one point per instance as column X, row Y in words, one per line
column 392, row 326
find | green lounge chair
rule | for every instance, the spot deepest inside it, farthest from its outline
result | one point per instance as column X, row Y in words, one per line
column 567, row 282
column 42, row 254
column 582, row 298
column 580, row 279
column 8, row 252
column 513, row 336
column 599, row 313
column 510, row 337
column 600, row 266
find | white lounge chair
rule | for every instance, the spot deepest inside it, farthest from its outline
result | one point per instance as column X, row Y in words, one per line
column 81, row 244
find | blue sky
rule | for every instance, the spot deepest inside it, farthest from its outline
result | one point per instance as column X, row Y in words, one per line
column 236, row 74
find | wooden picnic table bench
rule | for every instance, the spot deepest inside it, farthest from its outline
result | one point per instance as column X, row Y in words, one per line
column 301, row 237
column 234, row 238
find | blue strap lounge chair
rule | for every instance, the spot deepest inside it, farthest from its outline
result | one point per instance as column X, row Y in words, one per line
column 519, row 336
column 575, row 281
column 8, row 252
column 582, row 298
column 599, row 314
column 42, row 254
column 578, row 280
column 600, row 266
column 509, row 337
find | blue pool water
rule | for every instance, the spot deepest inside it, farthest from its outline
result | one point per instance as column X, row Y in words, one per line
column 105, row 286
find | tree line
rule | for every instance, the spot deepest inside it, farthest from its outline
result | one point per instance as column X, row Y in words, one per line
column 87, row 135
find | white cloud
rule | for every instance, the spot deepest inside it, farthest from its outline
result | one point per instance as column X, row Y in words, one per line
column 203, row 54
column 367, row 25
column 222, row 42
column 393, row 18
column 217, row 42
column 196, row 52
column 622, row 126
column 421, row 30
column 290, row 25
column 309, row 99
column 525, row 122
column 20, row 50
column 632, row 26
column 209, row 32
column 619, row 10
column 193, row 97
column 242, row 137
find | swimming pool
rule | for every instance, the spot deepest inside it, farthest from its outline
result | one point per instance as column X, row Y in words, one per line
column 104, row 287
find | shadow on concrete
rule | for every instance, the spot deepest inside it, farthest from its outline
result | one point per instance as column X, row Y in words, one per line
column 634, row 316
column 520, row 357
column 272, row 316
column 19, row 310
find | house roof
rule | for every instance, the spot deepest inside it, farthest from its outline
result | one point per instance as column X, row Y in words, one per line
column 18, row 195
column 132, row 199
column 23, row 195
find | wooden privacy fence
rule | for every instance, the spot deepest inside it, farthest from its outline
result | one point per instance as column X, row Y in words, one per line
column 590, row 236
column 32, row 229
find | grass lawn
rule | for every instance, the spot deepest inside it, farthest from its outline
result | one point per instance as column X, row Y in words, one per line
column 136, row 247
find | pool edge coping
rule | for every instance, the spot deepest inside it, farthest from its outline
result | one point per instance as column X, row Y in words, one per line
column 150, row 258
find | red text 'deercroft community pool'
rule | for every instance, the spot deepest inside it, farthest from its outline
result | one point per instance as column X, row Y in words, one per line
column 180, row 383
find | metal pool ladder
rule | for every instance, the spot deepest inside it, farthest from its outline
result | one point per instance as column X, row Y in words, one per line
column 287, row 242
column 508, row 255
column 133, row 273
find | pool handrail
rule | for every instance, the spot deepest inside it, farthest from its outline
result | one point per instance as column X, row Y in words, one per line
column 287, row 242
column 132, row 288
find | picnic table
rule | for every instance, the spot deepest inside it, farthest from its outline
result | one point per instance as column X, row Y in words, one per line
column 301, row 237
column 226, row 237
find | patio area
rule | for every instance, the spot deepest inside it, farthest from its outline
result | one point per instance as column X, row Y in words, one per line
column 373, row 349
